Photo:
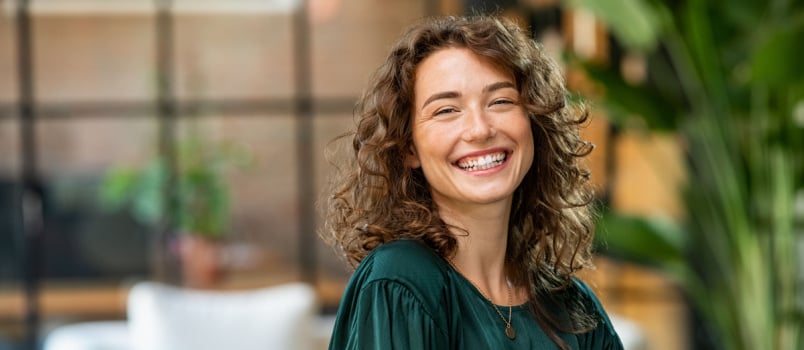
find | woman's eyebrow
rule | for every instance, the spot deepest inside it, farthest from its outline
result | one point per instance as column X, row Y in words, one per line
column 441, row 95
column 498, row 86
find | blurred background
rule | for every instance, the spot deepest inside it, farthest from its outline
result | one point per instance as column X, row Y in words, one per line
column 184, row 142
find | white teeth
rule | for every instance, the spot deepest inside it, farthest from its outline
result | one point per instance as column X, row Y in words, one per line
column 483, row 162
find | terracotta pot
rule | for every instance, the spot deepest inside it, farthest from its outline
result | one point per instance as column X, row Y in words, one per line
column 200, row 261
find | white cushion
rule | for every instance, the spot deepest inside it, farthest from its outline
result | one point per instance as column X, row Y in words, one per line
column 101, row 335
column 163, row 317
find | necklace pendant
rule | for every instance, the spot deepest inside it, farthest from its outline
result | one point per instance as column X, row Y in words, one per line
column 510, row 332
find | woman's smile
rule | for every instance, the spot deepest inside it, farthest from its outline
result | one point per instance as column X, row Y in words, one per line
column 483, row 160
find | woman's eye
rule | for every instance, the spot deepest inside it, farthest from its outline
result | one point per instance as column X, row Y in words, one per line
column 502, row 102
column 445, row 111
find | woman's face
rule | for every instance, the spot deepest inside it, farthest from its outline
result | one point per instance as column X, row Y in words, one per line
column 471, row 135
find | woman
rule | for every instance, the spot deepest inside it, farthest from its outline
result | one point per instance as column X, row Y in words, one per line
column 464, row 207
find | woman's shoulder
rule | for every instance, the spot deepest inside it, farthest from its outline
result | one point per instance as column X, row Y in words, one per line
column 404, row 247
column 408, row 264
column 588, row 296
column 403, row 259
column 395, row 297
column 583, row 288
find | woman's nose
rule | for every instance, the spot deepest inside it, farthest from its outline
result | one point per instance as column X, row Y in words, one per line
column 477, row 127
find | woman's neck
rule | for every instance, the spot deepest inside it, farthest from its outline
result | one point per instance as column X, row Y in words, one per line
column 482, row 235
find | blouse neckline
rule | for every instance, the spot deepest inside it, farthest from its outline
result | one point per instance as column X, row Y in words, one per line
column 477, row 293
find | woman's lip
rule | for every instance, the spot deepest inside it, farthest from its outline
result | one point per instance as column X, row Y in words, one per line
column 483, row 153
column 477, row 156
column 486, row 171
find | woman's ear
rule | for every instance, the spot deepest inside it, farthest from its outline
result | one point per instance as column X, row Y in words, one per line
column 412, row 159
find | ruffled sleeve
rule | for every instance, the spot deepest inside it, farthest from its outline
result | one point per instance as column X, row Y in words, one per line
column 385, row 314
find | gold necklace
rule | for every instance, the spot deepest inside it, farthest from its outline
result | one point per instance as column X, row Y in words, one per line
column 510, row 332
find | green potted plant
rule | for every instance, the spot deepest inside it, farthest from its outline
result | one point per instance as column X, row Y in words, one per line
column 724, row 77
column 201, row 207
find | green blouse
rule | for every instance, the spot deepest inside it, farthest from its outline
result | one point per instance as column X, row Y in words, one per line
column 404, row 296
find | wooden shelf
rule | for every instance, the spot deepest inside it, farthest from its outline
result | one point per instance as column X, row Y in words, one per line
column 86, row 302
column 77, row 301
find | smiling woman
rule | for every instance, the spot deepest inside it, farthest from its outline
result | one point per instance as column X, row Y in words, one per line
column 471, row 136
column 462, row 204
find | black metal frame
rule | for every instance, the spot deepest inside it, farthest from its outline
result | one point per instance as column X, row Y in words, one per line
column 31, row 193
column 303, row 108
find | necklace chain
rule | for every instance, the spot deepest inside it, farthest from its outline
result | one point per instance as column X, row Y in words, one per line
column 509, row 330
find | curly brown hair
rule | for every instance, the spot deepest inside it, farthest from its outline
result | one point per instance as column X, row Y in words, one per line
column 376, row 198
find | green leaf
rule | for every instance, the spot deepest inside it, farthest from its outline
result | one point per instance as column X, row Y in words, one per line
column 650, row 241
column 703, row 48
column 777, row 60
column 634, row 22
column 117, row 185
column 148, row 203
